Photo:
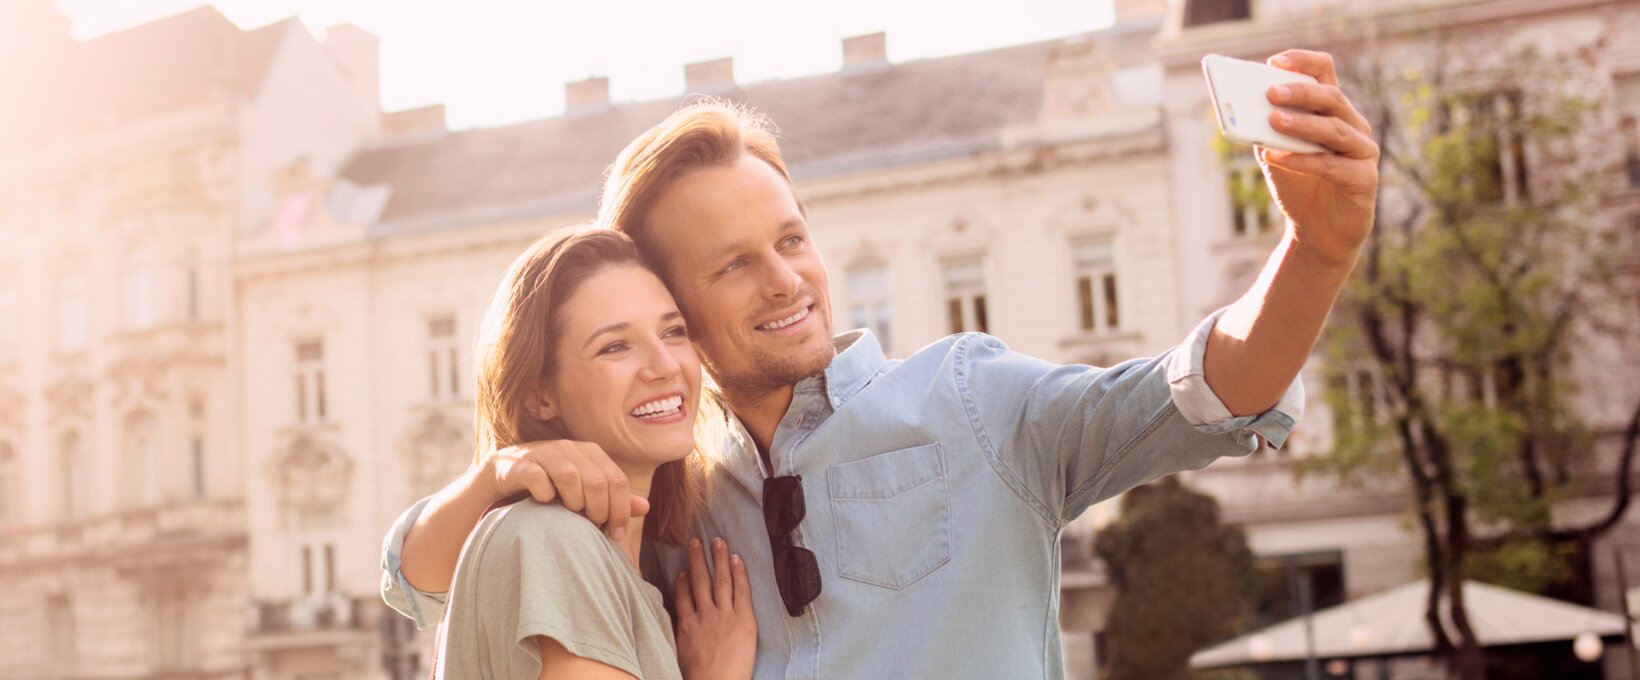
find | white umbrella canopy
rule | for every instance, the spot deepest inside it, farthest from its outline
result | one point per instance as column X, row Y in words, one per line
column 1392, row 622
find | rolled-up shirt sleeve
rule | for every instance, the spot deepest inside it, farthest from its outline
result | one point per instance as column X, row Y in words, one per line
column 1202, row 408
column 426, row 609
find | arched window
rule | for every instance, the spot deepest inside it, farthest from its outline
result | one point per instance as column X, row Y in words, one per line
column 11, row 506
column 139, row 281
column 72, row 476
column 141, row 479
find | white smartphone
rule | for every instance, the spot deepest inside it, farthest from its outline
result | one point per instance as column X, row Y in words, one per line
column 1242, row 104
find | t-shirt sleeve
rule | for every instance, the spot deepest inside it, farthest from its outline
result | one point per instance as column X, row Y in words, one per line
column 563, row 583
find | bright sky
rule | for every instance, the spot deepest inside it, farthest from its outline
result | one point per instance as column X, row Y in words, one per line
column 497, row 61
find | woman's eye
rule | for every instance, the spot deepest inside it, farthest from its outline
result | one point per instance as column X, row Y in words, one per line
column 612, row 348
column 677, row 332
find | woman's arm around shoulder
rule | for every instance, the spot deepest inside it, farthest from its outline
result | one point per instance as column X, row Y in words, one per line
column 558, row 664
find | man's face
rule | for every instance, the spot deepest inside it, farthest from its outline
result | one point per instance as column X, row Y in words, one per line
column 739, row 259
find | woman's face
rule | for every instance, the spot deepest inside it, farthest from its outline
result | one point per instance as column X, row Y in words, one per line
column 628, row 379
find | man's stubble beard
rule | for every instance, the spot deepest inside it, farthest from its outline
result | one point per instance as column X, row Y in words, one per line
column 770, row 372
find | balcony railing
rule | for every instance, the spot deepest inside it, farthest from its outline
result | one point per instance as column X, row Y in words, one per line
column 333, row 612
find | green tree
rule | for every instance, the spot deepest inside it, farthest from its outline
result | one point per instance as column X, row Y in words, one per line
column 1452, row 358
column 1183, row 580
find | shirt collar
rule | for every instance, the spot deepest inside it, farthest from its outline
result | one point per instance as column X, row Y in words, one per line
column 859, row 359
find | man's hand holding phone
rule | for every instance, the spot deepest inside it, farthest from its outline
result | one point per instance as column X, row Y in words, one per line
column 1330, row 198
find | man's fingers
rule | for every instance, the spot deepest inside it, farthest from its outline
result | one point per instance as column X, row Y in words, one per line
column 1351, row 175
column 743, row 586
column 682, row 597
column 1317, row 64
column 723, row 588
column 1330, row 132
column 595, row 486
column 535, row 480
column 700, row 580
column 620, row 505
column 1326, row 100
column 567, row 478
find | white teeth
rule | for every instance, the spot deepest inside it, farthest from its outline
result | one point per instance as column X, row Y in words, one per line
column 659, row 408
column 777, row 325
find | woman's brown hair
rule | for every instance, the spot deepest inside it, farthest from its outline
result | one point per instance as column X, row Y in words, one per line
column 517, row 350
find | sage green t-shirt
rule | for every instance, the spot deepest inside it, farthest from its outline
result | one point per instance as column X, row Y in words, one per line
column 541, row 570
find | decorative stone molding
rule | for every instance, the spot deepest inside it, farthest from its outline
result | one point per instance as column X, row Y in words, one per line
column 437, row 449
column 310, row 474
column 70, row 399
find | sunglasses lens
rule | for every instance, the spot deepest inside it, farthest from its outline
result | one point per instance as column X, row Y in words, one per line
column 798, row 575
column 783, row 504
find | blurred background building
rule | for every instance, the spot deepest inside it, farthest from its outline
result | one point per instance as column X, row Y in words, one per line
column 238, row 301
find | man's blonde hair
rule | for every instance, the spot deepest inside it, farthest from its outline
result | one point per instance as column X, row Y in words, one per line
column 708, row 133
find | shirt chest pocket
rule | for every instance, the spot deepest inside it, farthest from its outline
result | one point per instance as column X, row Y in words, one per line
column 893, row 516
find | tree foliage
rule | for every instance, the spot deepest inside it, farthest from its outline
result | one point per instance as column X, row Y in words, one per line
column 1183, row 580
column 1452, row 357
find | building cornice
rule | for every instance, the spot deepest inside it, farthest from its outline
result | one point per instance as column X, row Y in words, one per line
column 1262, row 37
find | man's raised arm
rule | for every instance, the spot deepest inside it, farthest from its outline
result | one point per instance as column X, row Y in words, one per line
column 1262, row 340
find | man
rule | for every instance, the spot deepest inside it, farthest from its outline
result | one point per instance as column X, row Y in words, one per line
column 901, row 518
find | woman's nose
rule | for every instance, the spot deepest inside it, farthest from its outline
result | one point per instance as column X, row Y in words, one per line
column 660, row 364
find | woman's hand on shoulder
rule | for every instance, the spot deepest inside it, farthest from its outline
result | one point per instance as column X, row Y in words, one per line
column 578, row 474
column 717, row 632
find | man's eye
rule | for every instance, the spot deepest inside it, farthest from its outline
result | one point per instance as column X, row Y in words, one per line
column 734, row 264
column 793, row 241
column 612, row 348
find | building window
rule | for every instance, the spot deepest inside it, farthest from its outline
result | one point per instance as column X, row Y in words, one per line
column 10, row 321
column 443, row 360
column 193, row 294
column 870, row 302
column 1097, row 302
column 60, row 628
column 71, row 475
column 310, row 381
column 316, row 552
column 139, row 279
column 141, row 478
column 1294, row 584
column 965, row 296
column 1252, row 212
column 196, row 451
column 73, row 314
column 10, row 485
column 1628, row 111
column 173, row 633
column 1203, row 12
column 1493, row 122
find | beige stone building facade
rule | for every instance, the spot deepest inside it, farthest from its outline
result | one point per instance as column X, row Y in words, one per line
column 238, row 303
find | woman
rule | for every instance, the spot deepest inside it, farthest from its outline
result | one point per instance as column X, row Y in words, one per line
column 582, row 342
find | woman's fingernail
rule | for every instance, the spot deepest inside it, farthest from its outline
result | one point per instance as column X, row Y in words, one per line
column 1283, row 92
column 1282, row 60
column 717, row 543
column 735, row 559
column 1286, row 118
column 620, row 533
column 694, row 544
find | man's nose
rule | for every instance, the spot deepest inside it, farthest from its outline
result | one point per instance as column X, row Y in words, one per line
column 780, row 280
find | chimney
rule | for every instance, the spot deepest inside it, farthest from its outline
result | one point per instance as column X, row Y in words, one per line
column 1128, row 10
column 865, row 51
column 708, row 77
column 412, row 121
column 586, row 96
column 356, row 51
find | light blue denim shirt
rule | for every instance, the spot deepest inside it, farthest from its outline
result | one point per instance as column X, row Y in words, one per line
column 936, row 490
